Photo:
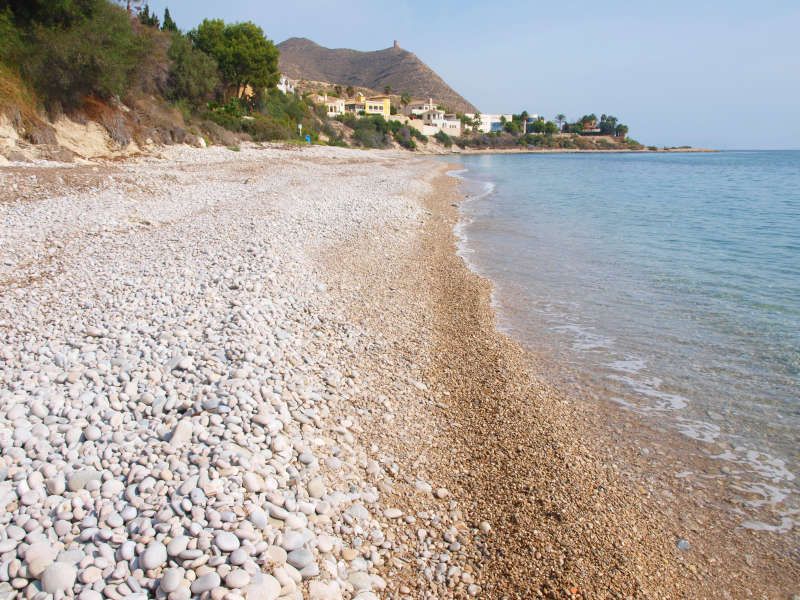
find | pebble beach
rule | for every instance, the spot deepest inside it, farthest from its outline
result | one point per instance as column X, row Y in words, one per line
column 266, row 374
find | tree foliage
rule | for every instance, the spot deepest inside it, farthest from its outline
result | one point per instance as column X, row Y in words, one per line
column 147, row 18
column 244, row 55
column 95, row 55
column 51, row 13
column 11, row 45
column 193, row 74
column 168, row 24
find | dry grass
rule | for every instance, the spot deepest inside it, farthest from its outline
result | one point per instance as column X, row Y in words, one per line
column 19, row 103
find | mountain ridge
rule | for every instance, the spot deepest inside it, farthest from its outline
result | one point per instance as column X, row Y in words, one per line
column 302, row 58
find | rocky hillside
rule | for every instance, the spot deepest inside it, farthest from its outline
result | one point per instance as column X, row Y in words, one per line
column 402, row 70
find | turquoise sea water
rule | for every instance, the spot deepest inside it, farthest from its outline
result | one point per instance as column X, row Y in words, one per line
column 670, row 280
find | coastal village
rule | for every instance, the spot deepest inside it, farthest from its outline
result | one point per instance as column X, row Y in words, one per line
column 428, row 116
column 432, row 118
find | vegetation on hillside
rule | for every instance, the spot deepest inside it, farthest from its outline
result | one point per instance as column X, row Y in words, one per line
column 74, row 55
column 70, row 49
column 376, row 132
column 86, row 57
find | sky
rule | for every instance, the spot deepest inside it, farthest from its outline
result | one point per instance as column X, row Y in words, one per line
column 719, row 74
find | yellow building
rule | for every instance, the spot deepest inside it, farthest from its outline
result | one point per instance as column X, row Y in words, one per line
column 378, row 105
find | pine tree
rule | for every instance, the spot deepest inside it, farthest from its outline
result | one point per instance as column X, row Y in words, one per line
column 148, row 19
column 169, row 24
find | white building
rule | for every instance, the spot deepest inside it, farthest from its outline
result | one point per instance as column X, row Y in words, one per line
column 452, row 125
column 437, row 120
column 419, row 107
column 334, row 107
column 286, row 85
column 490, row 122
column 433, row 117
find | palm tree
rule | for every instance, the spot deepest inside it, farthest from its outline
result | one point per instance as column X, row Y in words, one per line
column 350, row 91
column 405, row 99
column 387, row 89
column 560, row 119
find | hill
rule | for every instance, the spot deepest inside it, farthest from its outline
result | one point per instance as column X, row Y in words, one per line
column 302, row 58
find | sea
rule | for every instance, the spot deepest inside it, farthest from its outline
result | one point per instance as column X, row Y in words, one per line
column 670, row 281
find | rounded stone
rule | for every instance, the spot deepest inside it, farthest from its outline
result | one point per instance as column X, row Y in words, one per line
column 266, row 588
column 38, row 557
column 154, row 556
column 316, row 488
column 292, row 540
column 171, row 580
column 360, row 581
column 177, row 545
column 79, row 479
column 56, row 485
column 238, row 557
column 127, row 550
column 300, row 558
column 258, row 518
column 205, row 583
column 226, row 541
column 252, row 482
column 90, row 574
column 59, row 577
column 238, row 578
column 92, row 433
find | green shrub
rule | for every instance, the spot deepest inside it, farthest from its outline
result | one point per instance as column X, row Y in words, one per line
column 283, row 107
column 370, row 132
column 224, row 119
column 193, row 74
column 403, row 137
column 263, row 128
column 182, row 106
column 96, row 55
column 11, row 46
column 416, row 133
column 370, row 138
column 444, row 139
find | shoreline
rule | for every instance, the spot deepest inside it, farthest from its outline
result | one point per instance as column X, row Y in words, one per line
column 488, row 393
column 571, row 151
column 672, row 512
column 395, row 436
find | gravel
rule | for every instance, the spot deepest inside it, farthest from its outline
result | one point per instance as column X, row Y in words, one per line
column 177, row 377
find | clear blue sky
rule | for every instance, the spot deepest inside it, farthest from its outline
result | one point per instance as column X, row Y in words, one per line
column 715, row 73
